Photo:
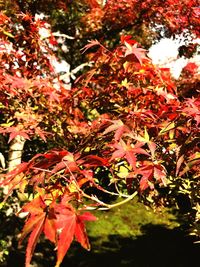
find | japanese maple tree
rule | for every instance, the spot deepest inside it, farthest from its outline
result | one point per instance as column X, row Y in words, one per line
column 123, row 113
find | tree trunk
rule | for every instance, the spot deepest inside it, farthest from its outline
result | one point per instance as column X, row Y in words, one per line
column 15, row 152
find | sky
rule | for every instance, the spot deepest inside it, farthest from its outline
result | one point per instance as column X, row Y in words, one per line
column 165, row 54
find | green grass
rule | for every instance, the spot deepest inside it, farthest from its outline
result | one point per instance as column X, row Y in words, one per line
column 127, row 220
column 134, row 236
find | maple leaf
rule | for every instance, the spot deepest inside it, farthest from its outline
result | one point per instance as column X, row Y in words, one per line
column 65, row 224
column 139, row 53
column 3, row 18
column 118, row 127
column 52, row 95
column 150, row 171
column 94, row 161
column 49, row 159
column 191, row 68
column 50, row 224
column 23, row 167
column 80, row 231
column 16, row 133
column 179, row 163
column 69, row 225
column 160, row 173
column 15, row 177
column 59, row 222
column 128, row 39
column 196, row 11
column 35, row 209
column 168, row 126
column 146, row 140
column 87, row 216
column 147, row 176
column 69, row 165
column 33, row 225
column 33, row 239
column 93, row 3
column 90, row 44
column 128, row 151
column 193, row 109
column 163, row 92
column 41, row 133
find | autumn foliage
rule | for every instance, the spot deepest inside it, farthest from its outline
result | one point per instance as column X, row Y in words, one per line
column 124, row 115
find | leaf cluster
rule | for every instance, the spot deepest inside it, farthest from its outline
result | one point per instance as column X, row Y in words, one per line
column 124, row 120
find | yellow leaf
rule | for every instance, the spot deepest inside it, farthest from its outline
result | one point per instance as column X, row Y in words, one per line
column 167, row 128
column 8, row 124
column 72, row 188
column 123, row 172
column 171, row 134
column 8, row 34
column 2, row 204
column 146, row 135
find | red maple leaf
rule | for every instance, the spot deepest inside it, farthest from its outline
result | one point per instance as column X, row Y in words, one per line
column 59, row 222
column 69, row 225
column 192, row 109
column 150, row 171
column 80, row 231
column 138, row 52
column 14, row 132
column 118, row 127
column 3, row 18
column 65, row 225
column 33, row 226
column 94, row 161
column 128, row 152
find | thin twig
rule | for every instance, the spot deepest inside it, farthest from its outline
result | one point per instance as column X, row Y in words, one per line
column 106, row 206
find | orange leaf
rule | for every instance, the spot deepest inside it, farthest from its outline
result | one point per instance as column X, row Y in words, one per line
column 30, row 225
column 67, row 230
column 50, row 226
column 38, row 228
column 36, row 214
column 80, row 233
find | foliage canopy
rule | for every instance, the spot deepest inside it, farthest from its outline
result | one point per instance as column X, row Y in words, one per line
column 125, row 128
